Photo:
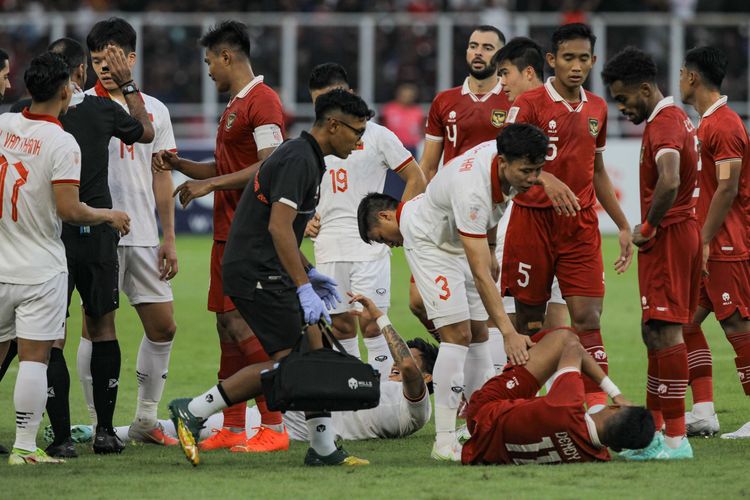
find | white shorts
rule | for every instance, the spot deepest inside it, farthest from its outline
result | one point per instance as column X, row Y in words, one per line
column 370, row 278
column 446, row 285
column 508, row 302
column 139, row 276
column 34, row 312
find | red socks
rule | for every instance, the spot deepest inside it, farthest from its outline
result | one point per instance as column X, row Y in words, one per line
column 591, row 340
column 253, row 353
column 700, row 372
column 741, row 344
column 652, row 390
column 672, row 386
column 231, row 362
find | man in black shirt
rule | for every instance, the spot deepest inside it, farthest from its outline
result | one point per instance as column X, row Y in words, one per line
column 91, row 251
column 274, row 287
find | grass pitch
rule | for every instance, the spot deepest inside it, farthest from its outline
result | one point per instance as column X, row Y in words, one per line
column 399, row 468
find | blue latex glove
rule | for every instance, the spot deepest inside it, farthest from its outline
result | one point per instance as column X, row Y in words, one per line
column 325, row 287
column 312, row 305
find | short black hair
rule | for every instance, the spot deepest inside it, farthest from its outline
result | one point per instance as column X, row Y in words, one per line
column 343, row 101
column 45, row 75
column 429, row 355
column 572, row 31
column 230, row 33
column 710, row 62
column 70, row 50
column 326, row 75
column 3, row 57
column 631, row 66
column 522, row 52
column 115, row 31
column 632, row 428
column 522, row 141
column 367, row 211
column 487, row 27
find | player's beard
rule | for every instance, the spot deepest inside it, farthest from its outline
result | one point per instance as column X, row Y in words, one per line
column 482, row 74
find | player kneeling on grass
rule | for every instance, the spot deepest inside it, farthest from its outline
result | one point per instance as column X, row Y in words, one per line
column 39, row 189
column 509, row 425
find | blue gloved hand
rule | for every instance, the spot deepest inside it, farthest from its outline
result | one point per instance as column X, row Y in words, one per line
column 325, row 287
column 312, row 305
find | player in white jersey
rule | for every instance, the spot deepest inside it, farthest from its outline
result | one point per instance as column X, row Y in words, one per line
column 145, row 264
column 40, row 167
column 353, row 265
column 445, row 237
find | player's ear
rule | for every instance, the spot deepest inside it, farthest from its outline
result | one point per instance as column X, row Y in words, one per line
column 225, row 56
column 550, row 59
column 427, row 378
column 593, row 59
column 645, row 89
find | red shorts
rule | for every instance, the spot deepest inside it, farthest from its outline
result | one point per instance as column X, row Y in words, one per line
column 217, row 301
column 726, row 288
column 514, row 383
column 669, row 273
column 539, row 245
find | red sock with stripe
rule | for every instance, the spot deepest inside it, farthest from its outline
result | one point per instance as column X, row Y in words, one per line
column 700, row 364
column 652, row 390
column 673, row 381
column 591, row 340
column 253, row 352
column 232, row 361
column 741, row 344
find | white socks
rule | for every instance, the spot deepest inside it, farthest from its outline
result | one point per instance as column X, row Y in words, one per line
column 478, row 368
column 704, row 410
column 29, row 398
column 379, row 355
column 351, row 346
column 322, row 435
column 152, row 366
column 497, row 350
column 83, row 366
column 207, row 403
column 448, row 382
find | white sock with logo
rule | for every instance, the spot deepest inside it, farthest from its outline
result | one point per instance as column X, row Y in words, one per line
column 207, row 403
column 152, row 366
column 322, row 435
column 478, row 367
column 448, row 381
column 351, row 346
column 497, row 350
column 29, row 398
column 83, row 367
column 379, row 355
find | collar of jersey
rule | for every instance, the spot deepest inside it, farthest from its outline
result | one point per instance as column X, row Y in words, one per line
column 591, row 426
column 664, row 103
column 721, row 102
column 316, row 148
column 398, row 212
column 34, row 116
column 465, row 89
column 555, row 96
column 100, row 90
column 246, row 89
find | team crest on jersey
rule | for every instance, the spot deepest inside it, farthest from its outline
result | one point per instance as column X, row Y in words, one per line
column 498, row 117
column 230, row 121
column 593, row 126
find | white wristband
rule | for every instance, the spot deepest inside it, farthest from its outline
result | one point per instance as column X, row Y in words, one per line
column 383, row 321
column 609, row 387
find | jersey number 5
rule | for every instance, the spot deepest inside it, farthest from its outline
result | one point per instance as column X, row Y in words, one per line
column 24, row 174
column 339, row 180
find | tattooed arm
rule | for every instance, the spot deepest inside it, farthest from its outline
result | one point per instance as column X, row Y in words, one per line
column 403, row 360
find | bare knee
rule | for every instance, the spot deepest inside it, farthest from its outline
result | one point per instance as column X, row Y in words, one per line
column 102, row 328
column 586, row 317
column 232, row 328
column 344, row 326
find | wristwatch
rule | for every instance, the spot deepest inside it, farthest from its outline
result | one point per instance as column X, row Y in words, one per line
column 129, row 88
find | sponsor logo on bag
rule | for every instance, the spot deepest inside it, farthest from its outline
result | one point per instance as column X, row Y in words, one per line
column 357, row 384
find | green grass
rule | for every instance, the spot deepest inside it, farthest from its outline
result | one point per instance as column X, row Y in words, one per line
column 400, row 468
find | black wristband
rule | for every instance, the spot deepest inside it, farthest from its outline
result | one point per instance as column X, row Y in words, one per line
column 128, row 88
column 308, row 268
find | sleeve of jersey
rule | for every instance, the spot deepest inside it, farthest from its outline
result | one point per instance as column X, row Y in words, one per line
column 126, row 128
column 434, row 128
column 164, row 134
column 601, row 138
column 289, row 183
column 520, row 112
column 666, row 137
column 267, row 120
column 567, row 388
column 66, row 168
column 471, row 212
column 395, row 155
column 729, row 141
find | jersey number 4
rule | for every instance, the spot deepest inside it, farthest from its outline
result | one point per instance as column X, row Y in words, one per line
column 339, row 180
column 24, row 174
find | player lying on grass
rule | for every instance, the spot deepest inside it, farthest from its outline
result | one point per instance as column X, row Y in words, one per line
column 509, row 425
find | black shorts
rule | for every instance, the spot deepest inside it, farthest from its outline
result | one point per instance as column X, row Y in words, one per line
column 274, row 316
column 93, row 267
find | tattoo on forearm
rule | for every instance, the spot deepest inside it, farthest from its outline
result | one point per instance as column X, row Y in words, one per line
column 396, row 344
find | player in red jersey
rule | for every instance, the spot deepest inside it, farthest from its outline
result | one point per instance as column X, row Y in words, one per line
column 250, row 129
column 541, row 244
column 669, row 255
column 724, row 212
column 509, row 425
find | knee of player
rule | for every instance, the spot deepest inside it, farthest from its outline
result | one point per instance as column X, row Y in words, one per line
column 735, row 324
column 587, row 319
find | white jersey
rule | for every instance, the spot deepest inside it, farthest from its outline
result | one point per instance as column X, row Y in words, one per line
column 130, row 177
column 463, row 199
column 36, row 153
column 344, row 184
column 394, row 417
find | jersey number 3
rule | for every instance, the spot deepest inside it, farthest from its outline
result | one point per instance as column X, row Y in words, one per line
column 24, row 174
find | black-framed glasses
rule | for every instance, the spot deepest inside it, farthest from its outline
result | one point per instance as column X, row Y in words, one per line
column 357, row 132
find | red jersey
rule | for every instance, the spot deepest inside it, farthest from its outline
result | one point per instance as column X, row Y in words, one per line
column 723, row 137
column 461, row 120
column 576, row 133
column 669, row 129
column 551, row 429
column 236, row 148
